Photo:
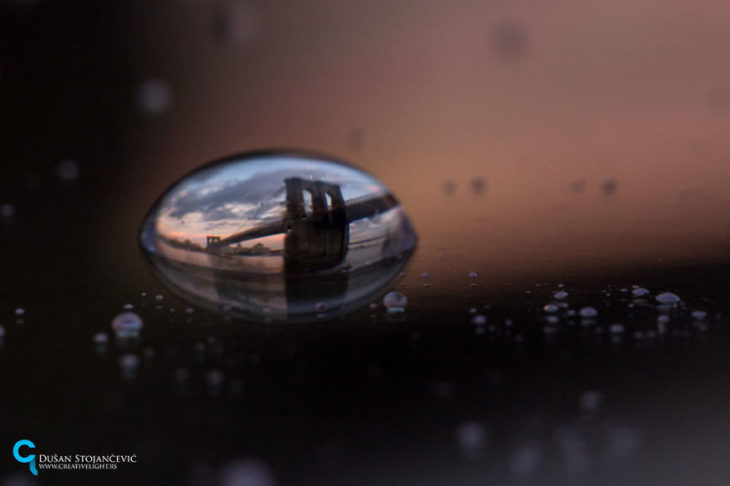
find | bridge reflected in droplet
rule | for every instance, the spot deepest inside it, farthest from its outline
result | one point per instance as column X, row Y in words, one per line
column 278, row 236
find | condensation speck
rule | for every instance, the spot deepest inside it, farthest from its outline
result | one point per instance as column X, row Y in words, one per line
column 479, row 320
column 609, row 186
column 19, row 311
column 639, row 292
column 616, row 328
column 473, row 274
column 246, row 472
column 448, row 187
column 471, row 437
column 550, row 308
column 588, row 312
column 561, row 294
column 128, row 362
column 395, row 302
column 68, row 170
column 154, row 96
column 127, row 324
column 478, row 185
column 590, row 401
column 7, row 211
column 100, row 338
column 668, row 298
column 699, row 315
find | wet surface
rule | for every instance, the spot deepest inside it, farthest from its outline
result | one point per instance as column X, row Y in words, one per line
column 528, row 352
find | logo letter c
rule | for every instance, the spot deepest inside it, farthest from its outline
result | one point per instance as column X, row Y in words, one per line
column 30, row 458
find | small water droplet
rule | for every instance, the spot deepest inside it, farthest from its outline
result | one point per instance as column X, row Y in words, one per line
column 590, row 401
column 449, row 187
column 395, row 302
column 247, row 472
column 100, row 338
column 127, row 325
column 550, row 308
column 588, row 312
column 699, row 315
column 473, row 274
column 471, row 437
column 479, row 320
column 668, row 298
column 19, row 311
column 128, row 364
column 578, row 186
column 7, row 211
column 478, row 185
column 609, row 186
column 68, row 170
column 616, row 329
column 640, row 292
column 561, row 294
column 154, row 96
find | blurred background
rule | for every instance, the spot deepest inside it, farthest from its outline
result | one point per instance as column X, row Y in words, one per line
column 540, row 147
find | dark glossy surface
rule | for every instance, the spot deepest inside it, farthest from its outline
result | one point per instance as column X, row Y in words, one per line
column 605, row 170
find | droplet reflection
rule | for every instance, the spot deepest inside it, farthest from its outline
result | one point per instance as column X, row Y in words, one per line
column 278, row 236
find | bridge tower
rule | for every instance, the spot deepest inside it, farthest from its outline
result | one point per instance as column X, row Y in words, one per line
column 317, row 234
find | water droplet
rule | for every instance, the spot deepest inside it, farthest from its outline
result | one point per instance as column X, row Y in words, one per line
column 68, row 170
column 215, row 379
column 616, row 329
column 2, row 332
column 578, row 186
column 395, row 302
column 699, row 315
column 667, row 298
column 640, row 292
column 526, row 458
column 237, row 22
column 127, row 324
column 590, row 401
column 550, row 308
column 588, row 312
column 129, row 364
column 510, row 40
column 609, row 186
column 128, row 307
column 181, row 374
column 449, row 187
column 154, row 96
column 561, row 294
column 280, row 231
column 473, row 274
column 7, row 211
column 471, row 437
column 246, row 472
column 479, row 320
column 478, row 185
column 19, row 311
column 100, row 338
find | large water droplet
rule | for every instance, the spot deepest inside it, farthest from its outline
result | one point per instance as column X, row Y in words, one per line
column 278, row 236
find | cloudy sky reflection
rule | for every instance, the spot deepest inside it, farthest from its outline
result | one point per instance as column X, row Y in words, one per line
column 234, row 197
